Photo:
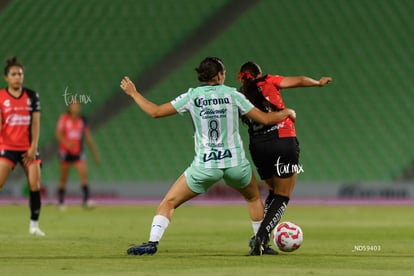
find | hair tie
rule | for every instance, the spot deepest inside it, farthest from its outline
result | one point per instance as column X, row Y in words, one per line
column 245, row 75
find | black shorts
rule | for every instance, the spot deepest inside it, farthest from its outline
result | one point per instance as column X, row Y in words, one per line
column 70, row 158
column 274, row 156
column 15, row 156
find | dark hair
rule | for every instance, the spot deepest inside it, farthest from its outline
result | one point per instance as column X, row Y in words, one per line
column 250, row 67
column 209, row 68
column 10, row 62
column 248, row 74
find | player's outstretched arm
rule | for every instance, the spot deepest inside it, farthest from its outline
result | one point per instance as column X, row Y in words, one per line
column 153, row 110
column 303, row 81
column 271, row 117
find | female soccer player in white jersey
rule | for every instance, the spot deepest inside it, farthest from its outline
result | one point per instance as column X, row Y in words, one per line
column 214, row 108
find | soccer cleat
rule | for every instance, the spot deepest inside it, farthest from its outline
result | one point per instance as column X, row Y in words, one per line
column 146, row 248
column 89, row 204
column 36, row 231
column 256, row 246
column 267, row 250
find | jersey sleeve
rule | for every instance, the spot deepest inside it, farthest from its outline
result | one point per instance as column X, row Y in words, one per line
column 181, row 103
column 34, row 100
column 243, row 103
column 275, row 80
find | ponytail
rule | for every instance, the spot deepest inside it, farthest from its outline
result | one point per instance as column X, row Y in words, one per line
column 10, row 62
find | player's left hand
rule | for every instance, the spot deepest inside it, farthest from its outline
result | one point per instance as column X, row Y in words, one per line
column 292, row 114
column 128, row 86
column 29, row 156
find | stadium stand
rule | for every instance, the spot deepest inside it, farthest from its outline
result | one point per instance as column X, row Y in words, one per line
column 85, row 48
column 359, row 128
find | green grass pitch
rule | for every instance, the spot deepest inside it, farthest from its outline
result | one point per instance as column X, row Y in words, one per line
column 206, row 240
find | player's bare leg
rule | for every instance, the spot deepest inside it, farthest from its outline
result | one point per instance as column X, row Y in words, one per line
column 63, row 178
column 82, row 170
column 177, row 195
column 5, row 169
column 254, row 202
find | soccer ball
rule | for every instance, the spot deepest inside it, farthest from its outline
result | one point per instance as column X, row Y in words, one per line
column 287, row 236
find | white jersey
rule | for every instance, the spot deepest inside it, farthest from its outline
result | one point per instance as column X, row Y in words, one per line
column 215, row 112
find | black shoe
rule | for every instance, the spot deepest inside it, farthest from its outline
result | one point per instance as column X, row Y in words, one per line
column 256, row 246
column 267, row 250
column 146, row 248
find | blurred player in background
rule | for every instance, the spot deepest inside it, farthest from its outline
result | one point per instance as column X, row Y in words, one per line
column 71, row 132
column 275, row 148
column 19, row 136
column 214, row 108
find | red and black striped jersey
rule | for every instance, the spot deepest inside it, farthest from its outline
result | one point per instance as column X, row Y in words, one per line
column 16, row 119
column 73, row 130
column 270, row 88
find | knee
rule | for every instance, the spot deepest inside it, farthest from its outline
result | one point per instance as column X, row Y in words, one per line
column 252, row 197
column 168, row 203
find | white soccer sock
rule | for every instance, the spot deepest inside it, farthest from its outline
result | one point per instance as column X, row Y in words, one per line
column 159, row 224
column 256, row 226
column 34, row 224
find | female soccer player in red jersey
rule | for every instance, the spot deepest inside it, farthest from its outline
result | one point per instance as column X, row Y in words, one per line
column 19, row 135
column 274, row 149
column 71, row 131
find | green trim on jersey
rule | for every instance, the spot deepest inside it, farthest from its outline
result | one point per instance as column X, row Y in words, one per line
column 215, row 113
